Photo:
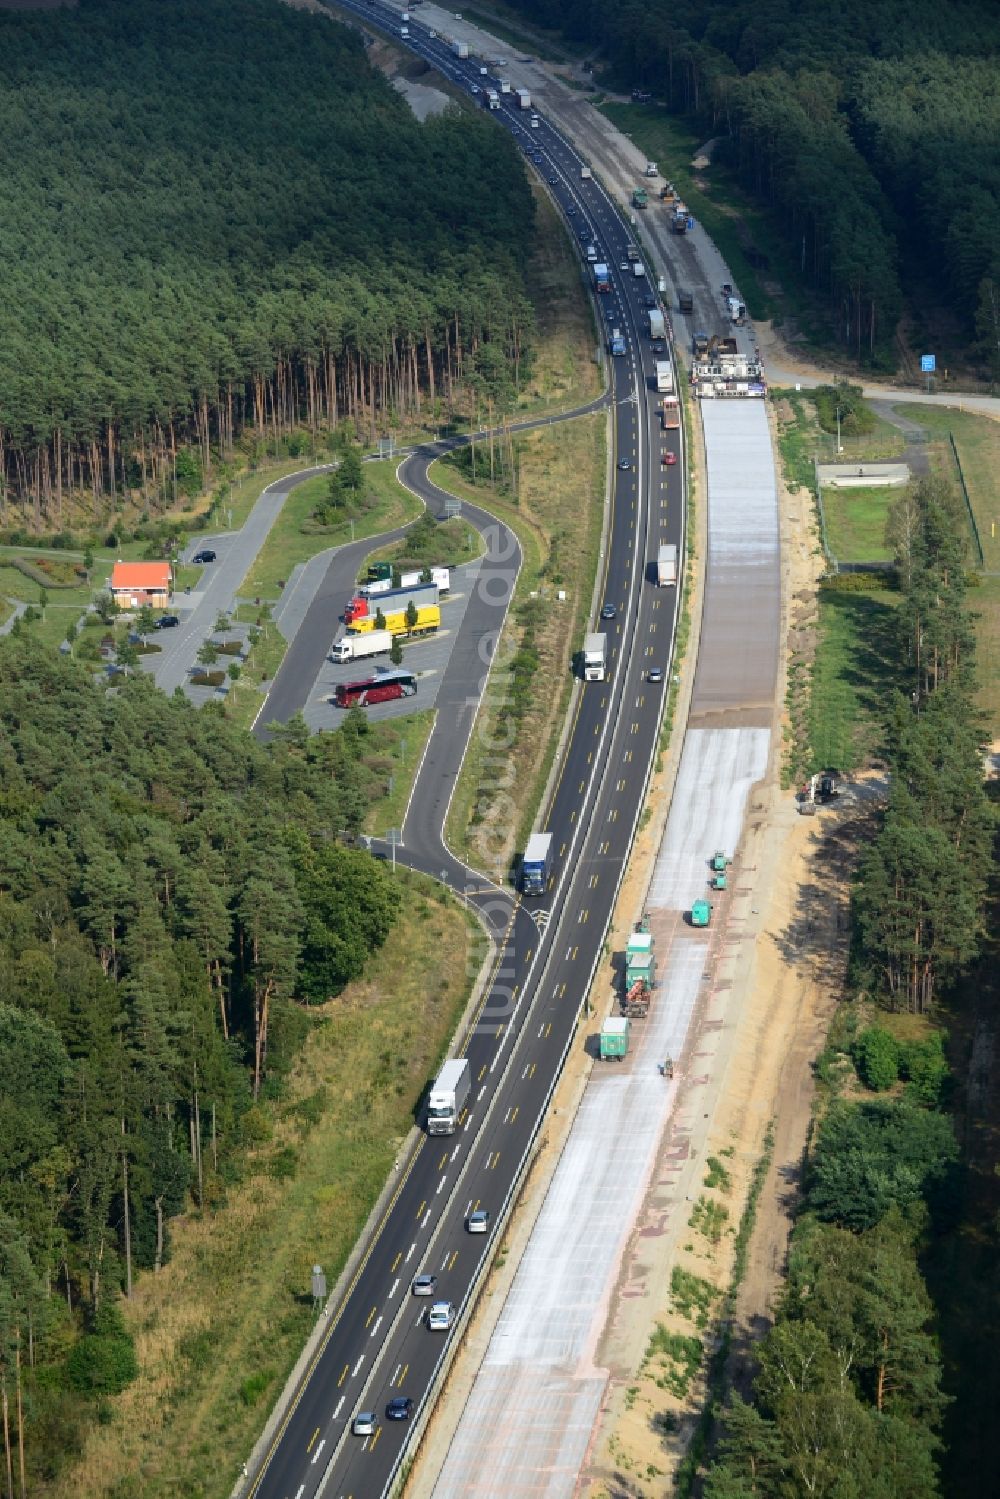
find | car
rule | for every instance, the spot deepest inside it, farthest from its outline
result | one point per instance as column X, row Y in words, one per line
column 657, row 347
column 478, row 1222
column 623, row 265
column 553, row 182
column 649, row 300
column 670, row 459
column 571, row 209
column 364, row 1424
column 654, row 674
column 400, row 1408
column 538, row 158
column 624, row 464
column 167, row 622
column 483, row 72
column 609, row 612
column 440, row 1316
column 474, row 88
column 205, row 555
column 423, row 1285
column 534, row 124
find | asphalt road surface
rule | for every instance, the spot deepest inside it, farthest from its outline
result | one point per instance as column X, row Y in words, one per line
column 377, row 1345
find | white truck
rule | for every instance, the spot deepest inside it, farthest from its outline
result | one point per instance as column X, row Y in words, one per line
column 448, row 1094
column 595, row 658
column 460, row 49
column 355, row 647
column 440, row 576
column 657, row 327
column 523, row 97
column 505, row 86
column 666, row 567
column 651, row 169
column 586, row 175
column 492, row 98
column 664, row 376
column 638, row 269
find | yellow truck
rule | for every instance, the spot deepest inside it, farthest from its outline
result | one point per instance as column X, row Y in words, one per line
column 427, row 621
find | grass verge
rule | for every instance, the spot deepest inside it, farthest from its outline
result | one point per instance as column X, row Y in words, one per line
column 399, row 746
column 565, row 371
column 855, row 523
column 977, row 440
column 853, row 672
column 557, row 515
column 221, row 1326
column 293, row 538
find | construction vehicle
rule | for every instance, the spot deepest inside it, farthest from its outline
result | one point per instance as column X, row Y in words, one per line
column 720, row 862
column 640, row 972
column 651, row 169
column 685, row 301
column 701, row 913
column 631, row 253
column 679, row 219
column 668, row 193
column 640, row 198
column 614, row 1038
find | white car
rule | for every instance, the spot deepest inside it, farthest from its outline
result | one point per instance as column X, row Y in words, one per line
column 440, row 1316
column 364, row 1424
column 478, row 1222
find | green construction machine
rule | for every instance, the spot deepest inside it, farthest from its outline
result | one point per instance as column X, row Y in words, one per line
column 614, row 1039
column 701, row 913
column 640, row 972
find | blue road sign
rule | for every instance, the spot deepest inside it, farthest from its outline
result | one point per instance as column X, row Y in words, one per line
column 928, row 364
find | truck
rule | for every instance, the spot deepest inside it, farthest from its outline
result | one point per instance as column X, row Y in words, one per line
column 492, row 99
column 638, row 270
column 602, row 276
column 363, row 607
column 657, row 327
column 592, row 254
column 664, row 375
column 640, row 197
column 651, row 170
column 460, row 49
column 595, row 658
column 439, row 576
column 536, row 864
column 427, row 621
column 639, row 975
column 586, row 174
column 505, row 86
column 737, row 311
column 356, row 647
column 631, row 253
column 617, row 342
column 666, row 566
column 671, row 413
column 679, row 219
column 685, row 301
column 387, row 687
column 614, row 1038
column 523, row 98
column 448, row 1096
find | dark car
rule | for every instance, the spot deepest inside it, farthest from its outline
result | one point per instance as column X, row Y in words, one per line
column 609, row 612
column 167, row 622
column 624, row 464
column 553, row 182
column 538, row 158
column 571, row 209
column 205, row 555
column 649, row 300
column 400, row 1408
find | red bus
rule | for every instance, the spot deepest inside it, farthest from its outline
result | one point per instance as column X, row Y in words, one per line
column 384, row 688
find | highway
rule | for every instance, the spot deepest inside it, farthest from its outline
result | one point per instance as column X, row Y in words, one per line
column 376, row 1345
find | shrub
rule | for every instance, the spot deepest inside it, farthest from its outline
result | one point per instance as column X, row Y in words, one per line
column 103, row 1362
column 255, row 1386
column 876, row 1056
column 924, row 1064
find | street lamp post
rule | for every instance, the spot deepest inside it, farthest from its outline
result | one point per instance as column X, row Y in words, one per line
column 839, row 447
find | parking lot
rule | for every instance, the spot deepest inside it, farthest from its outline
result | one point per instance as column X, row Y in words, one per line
column 427, row 657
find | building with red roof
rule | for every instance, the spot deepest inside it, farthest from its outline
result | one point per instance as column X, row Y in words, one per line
column 134, row 584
